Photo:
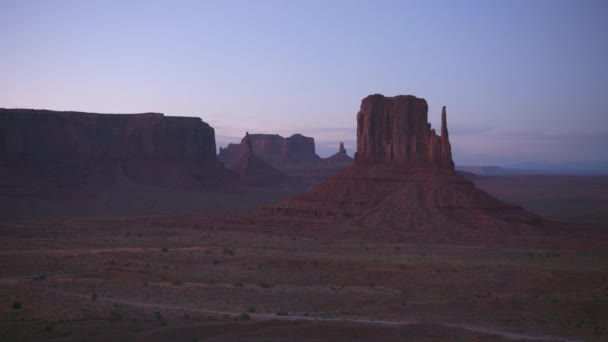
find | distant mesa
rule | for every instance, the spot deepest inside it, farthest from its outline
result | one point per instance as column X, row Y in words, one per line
column 271, row 158
column 253, row 170
column 273, row 149
column 403, row 177
column 72, row 148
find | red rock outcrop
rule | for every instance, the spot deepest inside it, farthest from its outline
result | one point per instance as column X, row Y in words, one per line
column 396, row 130
column 274, row 149
column 77, row 147
column 403, row 177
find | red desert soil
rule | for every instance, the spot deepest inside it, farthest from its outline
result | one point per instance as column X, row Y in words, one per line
column 106, row 278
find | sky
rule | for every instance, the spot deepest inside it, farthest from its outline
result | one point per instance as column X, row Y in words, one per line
column 523, row 81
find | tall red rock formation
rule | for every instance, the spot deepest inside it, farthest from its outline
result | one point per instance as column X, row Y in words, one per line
column 79, row 147
column 446, row 148
column 396, row 130
column 403, row 177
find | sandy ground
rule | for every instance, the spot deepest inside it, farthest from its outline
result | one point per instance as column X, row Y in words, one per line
column 217, row 277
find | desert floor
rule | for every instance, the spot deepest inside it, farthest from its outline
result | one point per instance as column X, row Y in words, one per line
column 204, row 266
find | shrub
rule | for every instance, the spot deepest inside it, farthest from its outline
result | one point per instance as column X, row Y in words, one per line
column 244, row 316
column 264, row 284
column 162, row 320
column 39, row 277
column 177, row 282
column 164, row 250
column 228, row 251
column 251, row 309
column 94, row 296
column 238, row 284
column 282, row 313
column 115, row 316
column 16, row 305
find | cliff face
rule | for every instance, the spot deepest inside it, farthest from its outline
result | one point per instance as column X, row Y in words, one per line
column 396, row 130
column 47, row 151
column 31, row 133
column 273, row 149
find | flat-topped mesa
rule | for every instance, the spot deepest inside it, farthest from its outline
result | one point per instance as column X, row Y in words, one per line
column 46, row 151
column 396, row 130
column 60, row 135
column 251, row 169
column 273, row 149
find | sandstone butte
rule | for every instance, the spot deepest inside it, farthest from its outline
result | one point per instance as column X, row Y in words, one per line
column 403, row 177
column 273, row 149
column 74, row 147
column 252, row 169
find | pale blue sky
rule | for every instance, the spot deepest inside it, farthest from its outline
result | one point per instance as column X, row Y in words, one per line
column 522, row 80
